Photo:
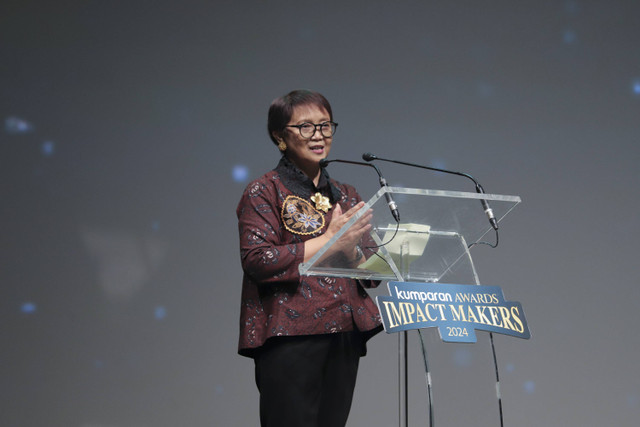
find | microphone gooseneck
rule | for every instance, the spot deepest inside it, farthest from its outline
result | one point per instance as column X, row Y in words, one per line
column 383, row 183
column 369, row 157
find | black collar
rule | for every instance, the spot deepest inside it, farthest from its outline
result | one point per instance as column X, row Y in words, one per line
column 301, row 185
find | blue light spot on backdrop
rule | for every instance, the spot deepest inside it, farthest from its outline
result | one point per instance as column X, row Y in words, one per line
column 155, row 225
column 28, row 308
column 572, row 7
column 529, row 387
column 16, row 125
column 160, row 312
column 511, row 367
column 485, row 90
column 462, row 357
column 440, row 164
column 569, row 37
column 48, row 148
column 635, row 87
column 240, row 173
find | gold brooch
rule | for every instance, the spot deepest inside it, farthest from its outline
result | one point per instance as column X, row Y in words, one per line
column 322, row 202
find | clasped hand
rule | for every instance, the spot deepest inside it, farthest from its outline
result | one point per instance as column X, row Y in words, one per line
column 347, row 241
column 351, row 237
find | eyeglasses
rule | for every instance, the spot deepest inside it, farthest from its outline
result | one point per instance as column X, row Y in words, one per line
column 307, row 130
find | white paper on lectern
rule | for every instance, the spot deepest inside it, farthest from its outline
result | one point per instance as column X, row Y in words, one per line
column 416, row 235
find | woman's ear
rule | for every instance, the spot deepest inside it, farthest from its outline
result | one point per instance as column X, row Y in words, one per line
column 281, row 144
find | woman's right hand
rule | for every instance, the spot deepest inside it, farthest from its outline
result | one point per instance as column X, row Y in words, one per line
column 348, row 241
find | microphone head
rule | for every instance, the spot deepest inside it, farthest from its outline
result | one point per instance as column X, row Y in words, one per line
column 369, row 157
column 324, row 163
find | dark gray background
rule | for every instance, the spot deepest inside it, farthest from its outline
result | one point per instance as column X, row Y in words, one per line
column 130, row 129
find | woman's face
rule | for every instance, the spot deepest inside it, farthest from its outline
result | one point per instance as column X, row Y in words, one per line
column 306, row 153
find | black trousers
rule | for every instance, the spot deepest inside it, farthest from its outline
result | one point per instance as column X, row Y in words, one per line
column 307, row 381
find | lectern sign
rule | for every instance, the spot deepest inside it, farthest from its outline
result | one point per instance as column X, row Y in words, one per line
column 456, row 310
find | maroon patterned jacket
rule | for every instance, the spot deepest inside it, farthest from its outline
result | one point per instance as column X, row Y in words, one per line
column 275, row 217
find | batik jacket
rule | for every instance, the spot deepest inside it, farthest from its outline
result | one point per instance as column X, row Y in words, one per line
column 275, row 217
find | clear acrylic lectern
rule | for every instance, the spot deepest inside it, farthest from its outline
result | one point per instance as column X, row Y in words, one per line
column 430, row 244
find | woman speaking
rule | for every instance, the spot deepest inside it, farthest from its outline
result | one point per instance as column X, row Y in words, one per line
column 306, row 334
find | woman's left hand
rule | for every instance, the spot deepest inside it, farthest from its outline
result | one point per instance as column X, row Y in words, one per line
column 348, row 241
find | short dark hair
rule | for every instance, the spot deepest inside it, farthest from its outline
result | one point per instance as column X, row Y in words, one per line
column 281, row 109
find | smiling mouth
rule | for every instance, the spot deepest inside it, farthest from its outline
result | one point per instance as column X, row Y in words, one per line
column 318, row 149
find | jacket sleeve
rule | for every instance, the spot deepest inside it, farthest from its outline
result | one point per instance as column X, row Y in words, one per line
column 265, row 256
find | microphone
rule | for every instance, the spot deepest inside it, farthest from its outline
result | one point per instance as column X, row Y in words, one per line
column 369, row 157
column 383, row 183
